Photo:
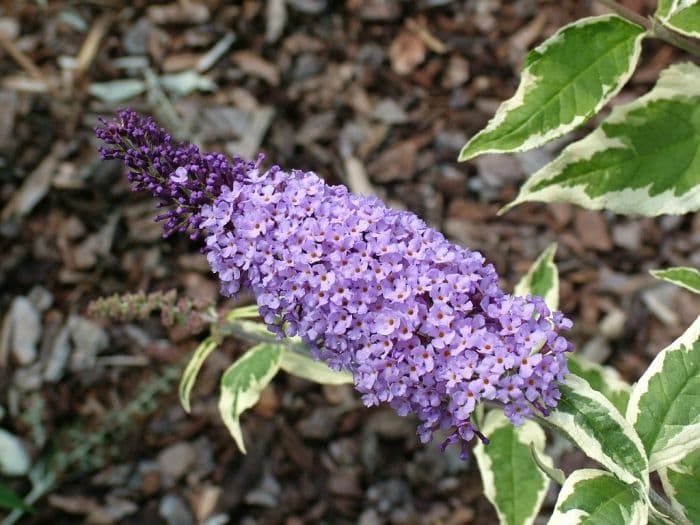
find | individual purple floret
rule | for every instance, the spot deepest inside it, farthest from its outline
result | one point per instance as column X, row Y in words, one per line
column 420, row 322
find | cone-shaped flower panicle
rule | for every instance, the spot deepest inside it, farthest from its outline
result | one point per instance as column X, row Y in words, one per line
column 420, row 322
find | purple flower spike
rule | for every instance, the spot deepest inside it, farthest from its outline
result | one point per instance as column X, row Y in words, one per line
column 420, row 322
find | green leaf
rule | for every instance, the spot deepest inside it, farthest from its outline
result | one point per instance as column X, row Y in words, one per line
column 682, row 276
column 604, row 379
column 512, row 481
column 663, row 8
column 684, row 18
column 599, row 430
column 664, row 406
column 243, row 382
column 642, row 160
column 545, row 465
column 565, row 81
column 189, row 376
column 243, row 312
column 542, row 279
column 591, row 496
column 10, row 500
column 317, row 371
column 681, row 483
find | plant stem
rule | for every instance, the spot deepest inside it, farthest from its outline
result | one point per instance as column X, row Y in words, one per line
column 654, row 27
column 659, row 503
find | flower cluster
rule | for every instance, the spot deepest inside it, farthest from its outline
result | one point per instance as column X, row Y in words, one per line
column 420, row 322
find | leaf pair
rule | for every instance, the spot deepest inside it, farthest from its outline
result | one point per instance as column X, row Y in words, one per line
column 243, row 382
column 643, row 159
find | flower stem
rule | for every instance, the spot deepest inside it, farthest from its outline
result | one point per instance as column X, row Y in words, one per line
column 654, row 27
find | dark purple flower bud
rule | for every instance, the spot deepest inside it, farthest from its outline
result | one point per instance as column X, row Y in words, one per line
column 420, row 322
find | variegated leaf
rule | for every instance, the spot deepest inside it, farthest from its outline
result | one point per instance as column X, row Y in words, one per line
column 565, row 81
column 591, row 496
column 317, row 371
column 545, row 465
column 681, row 483
column 249, row 311
column 512, row 481
column 664, row 407
column 682, row 276
column 599, row 430
column 604, row 379
column 644, row 159
column 243, row 382
column 683, row 16
column 189, row 376
column 542, row 279
column 663, row 8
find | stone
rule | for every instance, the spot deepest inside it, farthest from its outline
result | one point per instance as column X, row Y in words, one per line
column 175, row 511
column 266, row 494
column 176, row 460
column 14, row 456
column 22, row 330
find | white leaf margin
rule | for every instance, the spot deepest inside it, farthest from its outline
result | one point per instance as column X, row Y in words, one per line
column 528, row 79
column 640, row 512
column 317, row 371
column 677, row 79
column 233, row 404
column 588, row 444
column 189, row 376
column 677, row 6
column 529, row 434
column 546, row 258
column 688, row 439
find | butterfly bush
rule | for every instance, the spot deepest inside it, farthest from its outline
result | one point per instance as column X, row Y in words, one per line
column 420, row 322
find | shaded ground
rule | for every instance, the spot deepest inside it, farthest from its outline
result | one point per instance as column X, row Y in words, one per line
column 379, row 95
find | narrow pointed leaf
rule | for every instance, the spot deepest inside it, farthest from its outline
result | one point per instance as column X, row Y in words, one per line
column 684, row 18
column 681, row 483
column 565, row 81
column 243, row 382
column 682, row 276
column 512, row 481
column 545, row 465
column 243, row 312
column 542, row 279
column 317, row 371
column 604, row 379
column 599, row 430
column 189, row 376
column 642, row 160
column 664, row 406
column 591, row 496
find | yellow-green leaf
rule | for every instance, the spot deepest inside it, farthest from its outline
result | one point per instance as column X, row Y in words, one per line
column 317, row 371
column 684, row 276
column 189, row 376
column 243, row 382
column 542, row 278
